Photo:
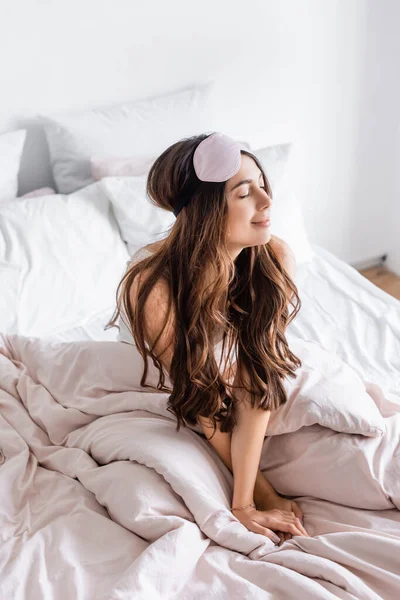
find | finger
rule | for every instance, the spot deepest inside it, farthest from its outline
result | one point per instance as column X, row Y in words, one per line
column 284, row 535
column 294, row 530
column 256, row 528
column 281, row 516
column 284, row 526
column 297, row 511
column 300, row 526
column 281, row 536
column 291, row 525
column 303, row 529
column 283, row 523
column 297, row 522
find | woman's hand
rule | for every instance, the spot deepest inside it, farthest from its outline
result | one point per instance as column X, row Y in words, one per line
column 266, row 521
column 275, row 501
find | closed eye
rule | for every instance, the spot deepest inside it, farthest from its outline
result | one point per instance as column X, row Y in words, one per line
column 246, row 195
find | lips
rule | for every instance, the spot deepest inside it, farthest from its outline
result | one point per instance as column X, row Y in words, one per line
column 265, row 221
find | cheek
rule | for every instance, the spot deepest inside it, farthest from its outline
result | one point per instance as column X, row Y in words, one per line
column 239, row 215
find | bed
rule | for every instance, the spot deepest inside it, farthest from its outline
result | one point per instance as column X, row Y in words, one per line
column 100, row 497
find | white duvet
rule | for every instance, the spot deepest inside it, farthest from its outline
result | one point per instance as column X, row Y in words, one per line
column 101, row 498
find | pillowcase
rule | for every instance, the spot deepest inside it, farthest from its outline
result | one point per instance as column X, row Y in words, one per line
column 326, row 391
column 287, row 220
column 101, row 167
column 140, row 222
column 71, row 257
column 141, row 129
column 46, row 191
column 11, row 147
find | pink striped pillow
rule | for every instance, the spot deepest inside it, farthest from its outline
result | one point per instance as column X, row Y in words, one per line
column 45, row 191
column 119, row 167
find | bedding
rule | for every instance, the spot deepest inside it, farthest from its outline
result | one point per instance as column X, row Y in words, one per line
column 350, row 317
column 101, row 498
column 140, row 222
column 11, row 147
column 46, row 191
column 10, row 285
column 89, row 421
column 101, row 167
column 69, row 256
column 140, row 129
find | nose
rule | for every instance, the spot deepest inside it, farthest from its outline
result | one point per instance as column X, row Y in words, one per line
column 265, row 199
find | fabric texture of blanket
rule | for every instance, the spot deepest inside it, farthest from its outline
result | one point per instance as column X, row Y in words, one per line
column 102, row 498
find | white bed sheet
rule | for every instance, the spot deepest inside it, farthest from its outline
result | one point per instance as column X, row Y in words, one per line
column 349, row 315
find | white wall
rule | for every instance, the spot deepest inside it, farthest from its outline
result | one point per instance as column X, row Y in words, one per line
column 386, row 46
column 286, row 70
column 394, row 249
column 378, row 150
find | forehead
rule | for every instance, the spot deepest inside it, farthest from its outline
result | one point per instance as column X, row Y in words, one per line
column 248, row 170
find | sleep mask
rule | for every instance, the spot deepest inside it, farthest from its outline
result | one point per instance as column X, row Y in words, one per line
column 216, row 159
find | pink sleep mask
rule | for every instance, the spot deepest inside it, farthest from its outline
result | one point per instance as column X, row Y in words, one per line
column 216, row 159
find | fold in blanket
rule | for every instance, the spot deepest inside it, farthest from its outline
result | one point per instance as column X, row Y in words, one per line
column 145, row 509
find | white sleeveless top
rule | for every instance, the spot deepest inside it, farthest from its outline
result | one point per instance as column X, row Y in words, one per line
column 125, row 335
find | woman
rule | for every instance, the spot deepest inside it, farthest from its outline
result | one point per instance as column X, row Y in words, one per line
column 219, row 277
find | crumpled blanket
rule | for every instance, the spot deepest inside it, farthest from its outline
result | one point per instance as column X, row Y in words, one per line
column 102, row 498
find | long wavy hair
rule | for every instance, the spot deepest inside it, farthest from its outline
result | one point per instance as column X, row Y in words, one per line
column 254, row 291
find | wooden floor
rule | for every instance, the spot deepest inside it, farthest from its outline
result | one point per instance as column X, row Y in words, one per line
column 384, row 279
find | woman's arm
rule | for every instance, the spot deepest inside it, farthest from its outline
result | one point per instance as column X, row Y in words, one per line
column 246, row 445
column 221, row 442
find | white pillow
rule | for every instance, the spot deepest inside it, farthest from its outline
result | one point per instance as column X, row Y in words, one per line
column 141, row 129
column 140, row 222
column 326, row 391
column 71, row 257
column 287, row 220
column 11, row 146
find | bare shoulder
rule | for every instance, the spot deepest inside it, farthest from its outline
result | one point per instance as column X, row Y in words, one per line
column 280, row 246
column 158, row 297
column 155, row 246
column 158, row 317
column 284, row 254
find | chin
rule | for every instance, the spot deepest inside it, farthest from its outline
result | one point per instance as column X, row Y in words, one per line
column 266, row 237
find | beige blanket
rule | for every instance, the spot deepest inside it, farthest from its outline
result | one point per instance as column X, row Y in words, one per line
column 101, row 498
